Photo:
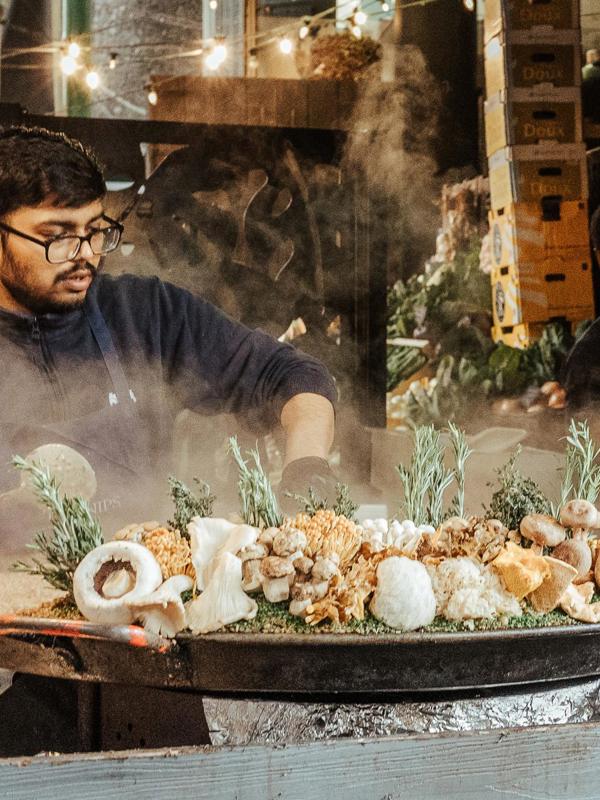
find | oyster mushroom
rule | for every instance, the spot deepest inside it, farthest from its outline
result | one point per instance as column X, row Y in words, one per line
column 576, row 603
column 162, row 611
column 542, row 530
column 579, row 515
column 276, row 572
column 223, row 601
column 96, row 568
column 210, row 538
column 575, row 552
column 547, row 596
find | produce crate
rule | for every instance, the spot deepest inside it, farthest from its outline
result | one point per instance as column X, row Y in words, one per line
column 538, row 173
column 522, row 117
column 530, row 232
column 535, row 16
column 559, row 286
column 521, row 336
column 519, row 63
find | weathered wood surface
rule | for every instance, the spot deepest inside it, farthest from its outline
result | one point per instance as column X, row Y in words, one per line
column 545, row 763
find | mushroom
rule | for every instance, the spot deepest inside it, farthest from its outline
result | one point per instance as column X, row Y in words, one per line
column 303, row 564
column 542, row 530
column 223, row 601
column 404, row 595
column 576, row 603
column 580, row 516
column 96, row 568
column 275, row 573
column 299, row 608
column 575, row 552
column 324, row 568
column 162, row 611
column 210, row 538
column 287, row 542
column 252, row 552
column 251, row 577
column 303, row 591
column 267, row 535
column 547, row 596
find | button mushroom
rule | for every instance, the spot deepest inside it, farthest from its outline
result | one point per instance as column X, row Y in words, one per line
column 275, row 573
column 303, row 565
column 267, row 535
column 575, row 552
column 542, row 530
column 95, row 570
column 580, row 516
column 324, row 569
column 223, row 601
column 251, row 575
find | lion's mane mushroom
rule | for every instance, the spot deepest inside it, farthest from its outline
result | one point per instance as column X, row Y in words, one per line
column 276, row 573
column 580, row 516
column 542, row 530
column 94, row 573
column 223, row 601
column 575, row 552
column 162, row 611
column 210, row 538
column 404, row 595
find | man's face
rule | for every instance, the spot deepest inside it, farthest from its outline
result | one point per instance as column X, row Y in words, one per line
column 28, row 282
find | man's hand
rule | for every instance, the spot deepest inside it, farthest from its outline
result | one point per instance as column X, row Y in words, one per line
column 304, row 473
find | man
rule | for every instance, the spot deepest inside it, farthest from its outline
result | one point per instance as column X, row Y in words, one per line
column 582, row 370
column 590, row 85
column 103, row 364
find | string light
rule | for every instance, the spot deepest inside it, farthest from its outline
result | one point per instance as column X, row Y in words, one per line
column 286, row 46
column 152, row 95
column 303, row 32
column 216, row 57
column 92, row 79
column 74, row 50
column 112, row 64
column 68, row 65
column 213, row 5
column 469, row 5
column 359, row 18
column 356, row 31
column 385, row 7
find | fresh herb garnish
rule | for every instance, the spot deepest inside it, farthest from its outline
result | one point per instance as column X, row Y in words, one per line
column 189, row 505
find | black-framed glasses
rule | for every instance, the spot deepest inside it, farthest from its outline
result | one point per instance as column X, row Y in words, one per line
column 65, row 247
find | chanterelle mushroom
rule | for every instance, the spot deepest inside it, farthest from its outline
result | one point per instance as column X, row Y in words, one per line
column 580, row 515
column 276, row 571
column 543, row 530
column 223, row 601
column 162, row 611
column 95, row 569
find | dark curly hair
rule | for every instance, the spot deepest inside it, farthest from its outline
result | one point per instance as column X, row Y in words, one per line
column 38, row 165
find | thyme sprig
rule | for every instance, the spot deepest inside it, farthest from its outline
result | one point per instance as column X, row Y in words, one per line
column 74, row 530
column 259, row 503
column 343, row 506
column 189, row 505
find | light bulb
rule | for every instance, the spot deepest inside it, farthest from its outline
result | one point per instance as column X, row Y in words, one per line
column 356, row 31
column 469, row 5
column 92, row 79
column 68, row 65
column 213, row 5
column 303, row 32
column 385, row 7
column 152, row 97
column 286, row 46
column 360, row 18
column 74, row 50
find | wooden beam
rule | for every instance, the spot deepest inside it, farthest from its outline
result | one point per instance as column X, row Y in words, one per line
column 552, row 762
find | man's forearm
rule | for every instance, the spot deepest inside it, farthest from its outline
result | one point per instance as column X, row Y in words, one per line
column 308, row 422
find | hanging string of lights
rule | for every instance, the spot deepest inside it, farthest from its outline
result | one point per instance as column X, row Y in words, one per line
column 76, row 57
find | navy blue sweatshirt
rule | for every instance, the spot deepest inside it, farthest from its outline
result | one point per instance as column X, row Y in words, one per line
column 177, row 351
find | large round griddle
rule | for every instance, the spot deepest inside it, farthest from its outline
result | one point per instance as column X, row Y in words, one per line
column 314, row 664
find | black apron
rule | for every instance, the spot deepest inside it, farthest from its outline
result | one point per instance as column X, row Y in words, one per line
column 112, row 440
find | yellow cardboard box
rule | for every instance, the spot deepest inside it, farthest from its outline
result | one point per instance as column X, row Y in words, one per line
column 514, row 117
column 519, row 63
column 534, row 173
column 530, row 232
column 535, row 16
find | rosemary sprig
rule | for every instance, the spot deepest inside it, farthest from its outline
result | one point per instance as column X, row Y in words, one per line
column 189, row 505
column 425, row 479
column 74, row 530
column 582, row 460
column 462, row 452
column 259, row 504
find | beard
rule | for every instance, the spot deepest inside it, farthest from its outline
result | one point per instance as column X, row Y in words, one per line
column 18, row 282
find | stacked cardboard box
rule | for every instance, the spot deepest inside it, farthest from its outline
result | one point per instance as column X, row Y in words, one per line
column 537, row 167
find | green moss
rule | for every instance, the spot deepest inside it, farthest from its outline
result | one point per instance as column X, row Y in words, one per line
column 275, row 618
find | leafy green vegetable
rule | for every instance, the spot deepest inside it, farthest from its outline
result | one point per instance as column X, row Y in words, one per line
column 74, row 530
column 188, row 505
